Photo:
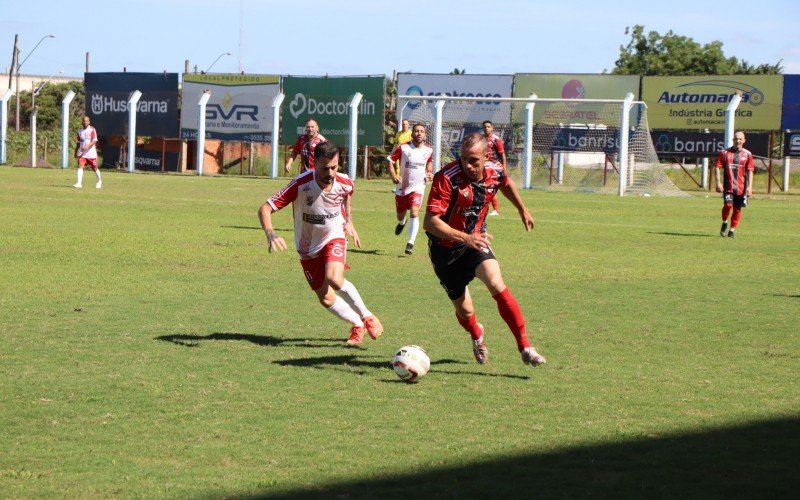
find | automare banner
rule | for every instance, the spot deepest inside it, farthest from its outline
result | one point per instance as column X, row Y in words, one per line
column 454, row 86
column 571, row 86
column 699, row 102
column 107, row 96
column 239, row 108
column 327, row 99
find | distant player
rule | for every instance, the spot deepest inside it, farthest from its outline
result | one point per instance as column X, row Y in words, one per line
column 320, row 199
column 86, row 152
column 460, row 250
column 496, row 153
column 304, row 146
column 416, row 167
column 736, row 183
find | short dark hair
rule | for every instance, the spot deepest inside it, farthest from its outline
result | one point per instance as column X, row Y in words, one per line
column 487, row 121
column 325, row 151
column 419, row 125
column 312, row 119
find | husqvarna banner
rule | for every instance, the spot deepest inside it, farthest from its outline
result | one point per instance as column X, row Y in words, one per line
column 487, row 86
column 699, row 102
column 239, row 108
column 327, row 99
column 107, row 96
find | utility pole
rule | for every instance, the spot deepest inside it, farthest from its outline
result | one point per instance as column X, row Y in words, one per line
column 14, row 59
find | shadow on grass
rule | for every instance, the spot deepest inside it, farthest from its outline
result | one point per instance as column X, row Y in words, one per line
column 190, row 340
column 789, row 295
column 695, row 235
column 756, row 460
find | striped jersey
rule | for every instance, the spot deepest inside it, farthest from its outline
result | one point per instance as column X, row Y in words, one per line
column 304, row 146
column 495, row 147
column 735, row 165
column 414, row 161
column 85, row 137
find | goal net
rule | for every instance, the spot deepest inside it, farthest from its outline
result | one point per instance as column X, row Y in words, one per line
column 573, row 144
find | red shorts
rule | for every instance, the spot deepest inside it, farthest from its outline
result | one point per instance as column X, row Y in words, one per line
column 406, row 202
column 314, row 269
column 92, row 162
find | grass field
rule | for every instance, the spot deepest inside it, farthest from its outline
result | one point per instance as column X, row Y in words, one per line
column 151, row 347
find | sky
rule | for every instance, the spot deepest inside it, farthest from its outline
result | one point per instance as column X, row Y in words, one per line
column 373, row 37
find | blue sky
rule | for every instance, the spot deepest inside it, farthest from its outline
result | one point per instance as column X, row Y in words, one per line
column 368, row 37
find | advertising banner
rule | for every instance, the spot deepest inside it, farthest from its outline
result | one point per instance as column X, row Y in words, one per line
column 107, row 97
column 790, row 114
column 699, row 102
column 239, row 109
column 700, row 144
column 791, row 144
column 144, row 160
column 327, row 99
column 454, row 86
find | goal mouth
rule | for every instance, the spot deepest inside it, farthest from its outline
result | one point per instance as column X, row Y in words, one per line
column 569, row 145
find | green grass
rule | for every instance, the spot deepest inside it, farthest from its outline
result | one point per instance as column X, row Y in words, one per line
column 151, row 347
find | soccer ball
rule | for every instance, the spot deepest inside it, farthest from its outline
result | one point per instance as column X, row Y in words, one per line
column 411, row 363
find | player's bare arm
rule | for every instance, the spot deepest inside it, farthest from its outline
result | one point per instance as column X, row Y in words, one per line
column 276, row 243
column 350, row 228
column 511, row 192
column 394, row 174
column 439, row 228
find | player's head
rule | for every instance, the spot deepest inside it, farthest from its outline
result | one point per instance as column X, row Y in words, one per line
column 738, row 140
column 473, row 155
column 418, row 134
column 86, row 121
column 488, row 127
column 406, row 124
column 326, row 163
column 312, row 127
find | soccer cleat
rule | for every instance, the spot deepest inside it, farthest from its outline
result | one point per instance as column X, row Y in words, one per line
column 356, row 335
column 531, row 357
column 77, row 186
column 99, row 184
column 723, row 229
column 479, row 349
column 731, row 233
column 399, row 228
column 494, row 212
column 409, row 248
column 373, row 326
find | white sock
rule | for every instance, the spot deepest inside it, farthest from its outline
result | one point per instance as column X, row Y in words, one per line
column 349, row 293
column 343, row 311
column 80, row 177
column 413, row 229
column 97, row 173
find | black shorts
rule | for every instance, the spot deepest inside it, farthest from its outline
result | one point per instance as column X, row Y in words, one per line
column 737, row 200
column 455, row 267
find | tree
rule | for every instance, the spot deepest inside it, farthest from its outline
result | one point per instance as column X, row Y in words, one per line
column 672, row 54
column 457, row 71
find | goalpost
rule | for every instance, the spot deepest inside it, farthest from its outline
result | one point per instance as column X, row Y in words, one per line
column 592, row 145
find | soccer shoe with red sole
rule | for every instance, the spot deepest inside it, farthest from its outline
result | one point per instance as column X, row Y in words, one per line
column 479, row 349
column 531, row 357
column 356, row 335
column 373, row 326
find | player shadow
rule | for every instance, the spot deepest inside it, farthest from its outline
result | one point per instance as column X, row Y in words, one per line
column 751, row 460
column 368, row 252
column 672, row 233
column 258, row 228
column 788, row 295
column 192, row 340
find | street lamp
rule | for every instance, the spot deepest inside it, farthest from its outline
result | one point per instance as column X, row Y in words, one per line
column 217, row 59
column 19, row 65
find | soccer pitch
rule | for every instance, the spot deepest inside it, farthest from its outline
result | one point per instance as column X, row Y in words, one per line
column 151, row 347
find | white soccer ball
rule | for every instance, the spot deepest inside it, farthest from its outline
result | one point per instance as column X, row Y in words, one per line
column 411, row 363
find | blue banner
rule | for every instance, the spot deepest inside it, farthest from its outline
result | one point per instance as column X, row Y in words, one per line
column 790, row 116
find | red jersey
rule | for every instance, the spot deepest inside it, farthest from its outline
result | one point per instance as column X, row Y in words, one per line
column 735, row 165
column 305, row 148
column 461, row 202
column 495, row 144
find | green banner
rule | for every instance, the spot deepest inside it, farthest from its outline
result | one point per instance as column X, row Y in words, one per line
column 327, row 100
column 699, row 102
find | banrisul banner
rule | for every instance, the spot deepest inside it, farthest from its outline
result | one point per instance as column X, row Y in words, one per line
column 570, row 86
column 791, row 144
column 239, row 109
column 487, row 86
column 700, row 144
column 699, row 102
column 790, row 115
column 327, row 99
column 107, row 96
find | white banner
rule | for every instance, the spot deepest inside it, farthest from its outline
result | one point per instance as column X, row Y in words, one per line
column 455, row 86
column 239, row 108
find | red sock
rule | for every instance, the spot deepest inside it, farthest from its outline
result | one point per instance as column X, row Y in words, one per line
column 495, row 204
column 510, row 312
column 736, row 217
column 726, row 211
column 471, row 326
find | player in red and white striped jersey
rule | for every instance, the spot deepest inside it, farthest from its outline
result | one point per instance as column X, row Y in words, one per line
column 736, row 184
column 304, row 146
column 321, row 202
column 416, row 167
column 459, row 244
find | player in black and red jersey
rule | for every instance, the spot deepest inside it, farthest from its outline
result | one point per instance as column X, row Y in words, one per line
column 736, row 183
column 460, row 246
